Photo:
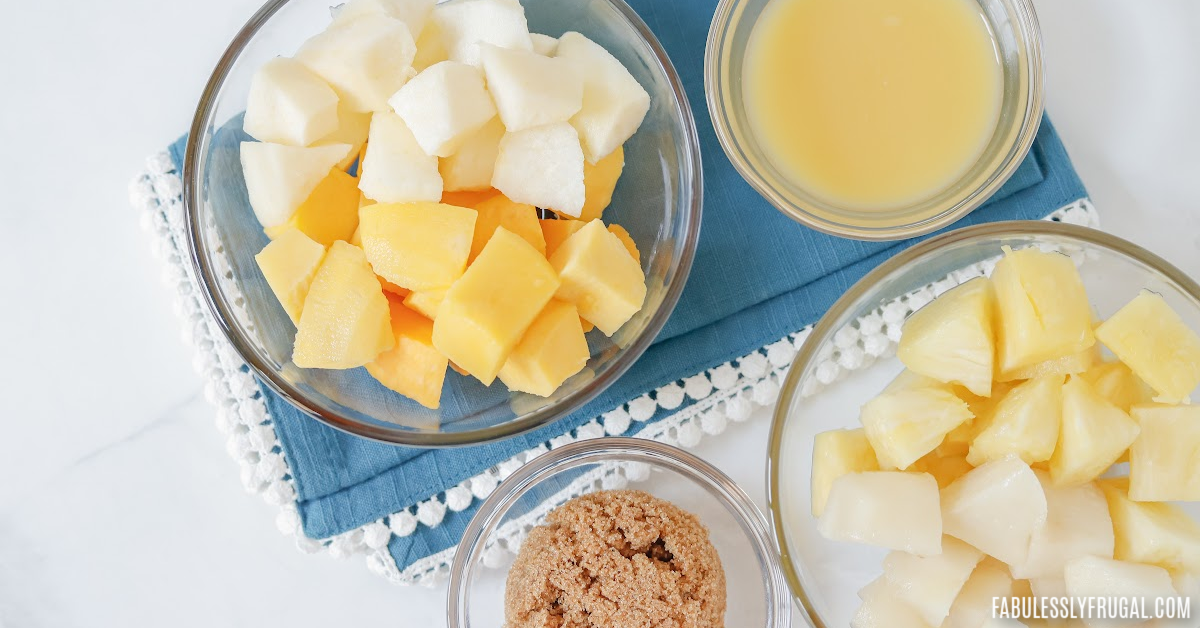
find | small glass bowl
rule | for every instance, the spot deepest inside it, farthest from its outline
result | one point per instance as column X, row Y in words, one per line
column 817, row 396
column 658, row 200
column 1018, row 36
column 757, row 594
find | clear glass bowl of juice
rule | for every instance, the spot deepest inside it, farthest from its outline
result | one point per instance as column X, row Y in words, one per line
column 875, row 119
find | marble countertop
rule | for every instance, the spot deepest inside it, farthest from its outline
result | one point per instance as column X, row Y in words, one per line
column 118, row 503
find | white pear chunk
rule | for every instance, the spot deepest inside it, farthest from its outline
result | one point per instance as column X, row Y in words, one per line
column 352, row 129
column 414, row 13
column 889, row 509
column 365, row 60
column 952, row 339
column 973, row 606
column 1077, row 524
column 544, row 44
column 996, row 507
column 395, row 169
column 1091, row 576
column 530, row 89
column 883, row 608
column 929, row 584
column 470, row 168
column 444, row 105
column 431, row 47
column 614, row 103
column 543, row 167
column 289, row 104
column 280, row 178
column 464, row 24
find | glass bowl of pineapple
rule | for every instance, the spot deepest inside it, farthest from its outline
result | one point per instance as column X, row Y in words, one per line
column 1021, row 388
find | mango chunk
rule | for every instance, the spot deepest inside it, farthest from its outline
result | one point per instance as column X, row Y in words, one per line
column 498, row 211
column 413, row 368
column 390, row 287
column 427, row 302
column 418, row 246
column 599, row 182
column 1154, row 341
column 1164, row 462
column 555, row 232
column 330, row 213
column 551, row 352
column 599, row 277
column 468, row 199
column 627, row 240
column 289, row 264
column 488, row 310
column 346, row 321
column 837, row 453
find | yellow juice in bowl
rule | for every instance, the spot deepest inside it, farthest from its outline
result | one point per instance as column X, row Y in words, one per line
column 872, row 104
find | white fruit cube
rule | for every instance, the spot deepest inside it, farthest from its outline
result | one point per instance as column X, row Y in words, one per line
column 544, row 44
column 1150, row 532
column 365, row 60
column 1024, row 423
column 530, row 89
column 279, row 178
column 888, row 509
column 836, row 453
column 996, row 508
column 930, row 584
column 352, row 128
column 543, row 167
column 465, row 24
column 1091, row 576
column 614, row 103
column 882, row 607
column 1155, row 342
column 470, row 168
column 1164, row 462
column 431, row 47
column 289, row 104
column 1077, row 524
column 396, row 169
column 904, row 426
column 443, row 106
column 952, row 338
column 414, row 13
column 974, row 604
column 1094, row 434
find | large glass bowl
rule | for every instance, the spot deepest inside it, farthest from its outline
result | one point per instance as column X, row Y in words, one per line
column 658, row 201
column 830, row 380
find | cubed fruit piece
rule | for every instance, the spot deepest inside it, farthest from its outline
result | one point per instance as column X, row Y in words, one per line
column 418, row 246
column 330, row 213
column 930, row 584
column 427, row 302
column 952, row 339
column 544, row 44
column 1094, row 577
column 485, row 314
column 413, row 13
column 413, row 368
column 996, row 507
column 472, row 165
column 443, row 106
column 599, row 182
column 468, row 198
column 396, row 169
column 279, row 178
column 1094, row 434
column 352, row 128
column 499, row 211
column 599, row 277
column 431, row 47
column 911, row 380
column 1073, row 364
column 1042, row 309
column 958, row 441
column 466, row 24
column 553, row 350
column 1164, row 462
column 836, row 453
column 614, row 103
column 973, row 606
column 543, row 167
column 1077, row 524
column 365, row 60
column 289, row 264
column 944, row 469
column 289, row 104
column 904, row 426
column 345, row 323
column 1024, row 423
column 1150, row 532
column 1116, row 382
column 555, row 232
column 627, row 240
column 889, row 509
column 882, row 607
column 1154, row 341
column 530, row 89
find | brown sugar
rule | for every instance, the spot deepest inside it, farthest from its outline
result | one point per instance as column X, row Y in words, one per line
column 616, row 559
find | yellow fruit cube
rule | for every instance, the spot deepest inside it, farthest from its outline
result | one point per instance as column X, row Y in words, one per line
column 944, row 469
column 330, row 213
column 1093, row 435
column 488, row 310
column 1154, row 341
column 363, row 201
column 1073, row 364
column 497, row 212
column 413, row 368
column 599, row 182
column 555, row 232
column 836, row 453
column 952, row 339
column 1164, row 462
column 1151, row 533
column 600, row 277
column 418, row 246
column 903, row 426
column 553, row 350
column 1116, row 382
column 627, row 240
column 1024, row 423
column 427, row 302
column 346, row 322
column 289, row 264
column 392, row 288
column 468, row 199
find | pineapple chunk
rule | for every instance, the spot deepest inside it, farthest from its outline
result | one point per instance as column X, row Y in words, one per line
column 413, row 368
column 471, row 167
column 1024, row 423
column 1042, row 307
column 904, row 426
column 882, row 607
column 600, row 181
column 427, row 302
column 944, row 469
column 973, row 606
column 419, row 246
column 1073, row 364
column 1116, row 382
column 1077, row 524
column 1094, row 435
column 930, row 584
column 279, row 178
column 627, row 240
column 518, row 218
column 836, row 453
column 346, row 322
column 1152, row 533
column 599, row 277
column 1091, row 576
column 1164, row 462
column 1154, row 341
column 889, row 509
column 488, row 310
column 289, row 264
column 996, row 508
column 555, row 232
column 911, row 380
column 330, row 213
column 551, row 352
column 952, row 340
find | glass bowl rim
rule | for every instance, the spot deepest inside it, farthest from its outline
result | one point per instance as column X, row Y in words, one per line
column 692, row 171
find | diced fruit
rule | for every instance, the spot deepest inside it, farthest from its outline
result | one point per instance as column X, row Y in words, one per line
column 388, row 286
column 1024, row 423
column 944, row 469
column 530, row 89
column 904, row 426
column 882, row 607
column 889, row 509
column 544, row 44
column 952, row 340
column 1154, row 341
column 330, row 213
column 498, row 212
column 472, row 165
column 911, row 380
column 443, row 106
column 365, row 60
column 627, row 240
column 427, row 302
column 488, row 310
column 599, row 182
column 1116, row 382
column 1073, row 364
column 431, row 47
column 958, row 441
column 1094, row 434
column 930, row 584
column 413, row 13
column 466, row 24
column 555, row 232
column 1042, row 307
column 614, row 103
column 1164, row 462
column 973, row 606
column 1077, row 524
column 418, row 246
column 396, row 169
column 345, row 322
column 996, row 507
column 1048, row 587
column 543, row 167
column 468, row 198
column 1095, row 577
column 553, row 350
column 836, row 453
column 289, row 264
column 288, row 104
column 599, row 277
column 352, row 129
column 279, row 178
column 1152, row 533
column 413, row 368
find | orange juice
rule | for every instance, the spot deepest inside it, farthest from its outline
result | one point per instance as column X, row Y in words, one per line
column 872, row 104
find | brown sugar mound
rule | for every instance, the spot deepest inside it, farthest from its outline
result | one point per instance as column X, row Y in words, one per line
column 616, row 559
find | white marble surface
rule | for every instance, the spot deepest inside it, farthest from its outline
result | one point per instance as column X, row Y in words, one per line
column 118, row 505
